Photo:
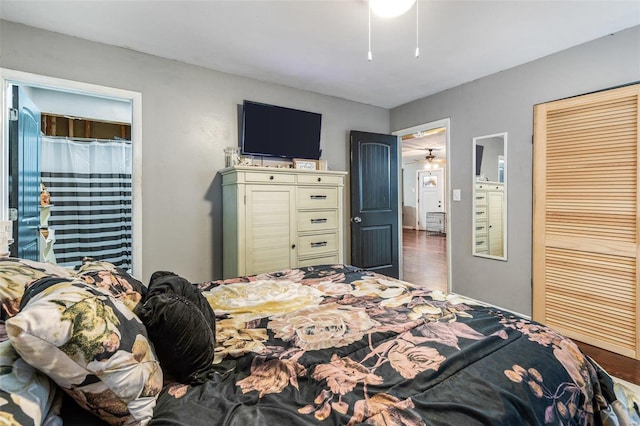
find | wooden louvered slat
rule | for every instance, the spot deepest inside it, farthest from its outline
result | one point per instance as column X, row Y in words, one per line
column 619, row 311
column 607, row 134
column 604, row 115
column 602, row 112
column 586, row 234
column 608, row 319
column 569, row 218
column 589, row 125
column 602, row 145
column 584, row 231
column 624, row 170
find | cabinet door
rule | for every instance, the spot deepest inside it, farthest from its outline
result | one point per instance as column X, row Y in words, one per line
column 495, row 200
column 270, row 226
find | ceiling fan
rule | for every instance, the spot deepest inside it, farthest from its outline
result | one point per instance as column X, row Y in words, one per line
column 432, row 162
column 430, row 156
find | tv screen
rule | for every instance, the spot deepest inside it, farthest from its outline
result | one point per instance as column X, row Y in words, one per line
column 276, row 131
column 479, row 151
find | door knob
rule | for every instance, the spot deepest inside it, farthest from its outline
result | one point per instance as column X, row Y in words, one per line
column 356, row 219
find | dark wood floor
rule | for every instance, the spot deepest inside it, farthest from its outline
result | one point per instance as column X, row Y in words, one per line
column 617, row 365
column 424, row 259
column 425, row 263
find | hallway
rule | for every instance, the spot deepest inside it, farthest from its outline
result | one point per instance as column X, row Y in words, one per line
column 424, row 259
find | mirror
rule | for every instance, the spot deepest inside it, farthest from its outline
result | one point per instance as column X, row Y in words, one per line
column 490, row 196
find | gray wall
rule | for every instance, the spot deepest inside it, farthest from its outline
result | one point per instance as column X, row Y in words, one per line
column 504, row 102
column 189, row 117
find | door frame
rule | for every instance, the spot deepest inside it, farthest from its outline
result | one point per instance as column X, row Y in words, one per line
column 9, row 77
column 446, row 123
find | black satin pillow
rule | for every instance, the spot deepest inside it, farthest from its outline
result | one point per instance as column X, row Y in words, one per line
column 181, row 325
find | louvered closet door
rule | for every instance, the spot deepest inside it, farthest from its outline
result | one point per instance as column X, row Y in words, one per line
column 585, row 230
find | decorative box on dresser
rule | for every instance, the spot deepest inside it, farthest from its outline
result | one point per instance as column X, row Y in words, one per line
column 276, row 218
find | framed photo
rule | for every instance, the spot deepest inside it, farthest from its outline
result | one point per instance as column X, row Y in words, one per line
column 302, row 164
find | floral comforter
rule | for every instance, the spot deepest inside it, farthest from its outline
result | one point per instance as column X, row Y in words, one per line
column 336, row 345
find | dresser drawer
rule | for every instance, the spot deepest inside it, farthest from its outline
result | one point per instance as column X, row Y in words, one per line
column 490, row 186
column 481, row 244
column 308, row 245
column 480, row 227
column 481, row 198
column 318, row 179
column 317, row 198
column 481, row 212
column 330, row 259
column 320, row 220
column 269, row 177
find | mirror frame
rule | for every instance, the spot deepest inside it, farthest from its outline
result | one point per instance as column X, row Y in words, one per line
column 504, row 201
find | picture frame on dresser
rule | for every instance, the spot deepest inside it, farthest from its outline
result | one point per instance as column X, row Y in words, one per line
column 304, row 164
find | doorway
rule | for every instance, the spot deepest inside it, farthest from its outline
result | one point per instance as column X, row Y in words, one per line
column 425, row 204
column 96, row 93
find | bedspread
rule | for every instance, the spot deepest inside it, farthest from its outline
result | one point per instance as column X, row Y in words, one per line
column 337, row 345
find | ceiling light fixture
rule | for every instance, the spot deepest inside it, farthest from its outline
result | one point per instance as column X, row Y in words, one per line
column 423, row 133
column 431, row 163
column 391, row 9
column 430, row 156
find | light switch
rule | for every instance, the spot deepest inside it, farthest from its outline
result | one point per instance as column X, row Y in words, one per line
column 456, row 195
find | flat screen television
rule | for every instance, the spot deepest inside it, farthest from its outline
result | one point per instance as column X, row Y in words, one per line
column 479, row 151
column 276, row 131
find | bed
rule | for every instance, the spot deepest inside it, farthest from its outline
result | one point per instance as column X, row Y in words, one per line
column 338, row 345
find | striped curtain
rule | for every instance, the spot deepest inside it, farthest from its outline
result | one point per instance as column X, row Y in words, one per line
column 90, row 185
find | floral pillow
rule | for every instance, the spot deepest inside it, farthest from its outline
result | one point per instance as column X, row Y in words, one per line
column 115, row 280
column 27, row 397
column 17, row 274
column 91, row 345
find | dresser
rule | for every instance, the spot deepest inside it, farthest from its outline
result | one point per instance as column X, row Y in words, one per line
column 489, row 208
column 276, row 219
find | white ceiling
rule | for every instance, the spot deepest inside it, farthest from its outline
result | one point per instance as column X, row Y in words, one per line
column 321, row 45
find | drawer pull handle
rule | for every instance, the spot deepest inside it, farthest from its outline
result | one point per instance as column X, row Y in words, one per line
column 318, row 220
column 318, row 197
column 479, row 243
column 479, row 213
column 478, row 228
column 270, row 177
column 319, row 179
column 320, row 244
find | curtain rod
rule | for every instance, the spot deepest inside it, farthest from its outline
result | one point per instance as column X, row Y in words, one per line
column 79, row 139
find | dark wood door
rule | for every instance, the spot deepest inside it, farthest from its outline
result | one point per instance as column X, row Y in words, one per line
column 374, row 202
column 24, row 170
